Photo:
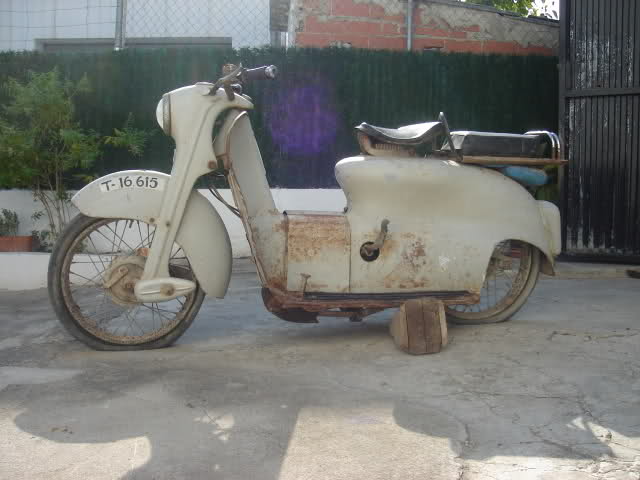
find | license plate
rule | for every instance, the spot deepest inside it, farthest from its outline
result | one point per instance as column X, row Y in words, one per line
column 133, row 181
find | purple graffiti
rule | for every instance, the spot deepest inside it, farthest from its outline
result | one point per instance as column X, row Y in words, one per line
column 302, row 120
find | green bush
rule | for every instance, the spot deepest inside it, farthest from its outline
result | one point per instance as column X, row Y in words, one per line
column 42, row 145
column 316, row 101
column 8, row 223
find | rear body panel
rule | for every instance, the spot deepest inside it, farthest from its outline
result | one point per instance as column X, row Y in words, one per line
column 444, row 221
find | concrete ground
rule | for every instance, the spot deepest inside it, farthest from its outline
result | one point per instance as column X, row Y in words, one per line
column 553, row 394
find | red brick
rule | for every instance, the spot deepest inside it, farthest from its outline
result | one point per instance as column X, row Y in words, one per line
column 313, row 25
column 462, row 46
column 388, row 43
column 491, row 46
column 313, row 40
column 348, row 8
column 457, row 34
column 377, row 11
column 432, row 32
column 441, row 32
column 356, row 41
column 390, row 29
column 362, row 27
column 425, row 43
column 394, row 18
column 472, row 28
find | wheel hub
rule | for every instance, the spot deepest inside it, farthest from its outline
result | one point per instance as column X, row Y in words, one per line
column 121, row 277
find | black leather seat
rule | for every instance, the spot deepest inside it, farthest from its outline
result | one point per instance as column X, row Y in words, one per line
column 409, row 135
column 497, row 144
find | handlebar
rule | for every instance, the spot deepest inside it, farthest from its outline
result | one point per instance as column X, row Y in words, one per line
column 234, row 75
column 269, row 72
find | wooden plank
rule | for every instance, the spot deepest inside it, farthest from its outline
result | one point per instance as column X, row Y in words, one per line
column 478, row 160
column 420, row 327
column 416, row 328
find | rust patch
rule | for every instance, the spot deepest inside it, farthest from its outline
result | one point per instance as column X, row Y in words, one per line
column 314, row 236
column 296, row 315
column 418, row 249
column 279, row 227
column 271, row 268
column 413, row 269
column 285, row 300
column 318, row 245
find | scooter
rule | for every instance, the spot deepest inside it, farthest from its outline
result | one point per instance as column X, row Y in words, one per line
column 456, row 225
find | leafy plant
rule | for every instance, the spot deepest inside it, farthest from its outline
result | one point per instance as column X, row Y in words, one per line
column 43, row 147
column 549, row 10
column 41, row 240
column 523, row 7
column 518, row 6
column 130, row 138
column 8, row 223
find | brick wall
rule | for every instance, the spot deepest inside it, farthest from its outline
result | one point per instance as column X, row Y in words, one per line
column 446, row 25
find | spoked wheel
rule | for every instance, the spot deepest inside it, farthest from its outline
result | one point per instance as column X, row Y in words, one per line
column 511, row 277
column 92, row 273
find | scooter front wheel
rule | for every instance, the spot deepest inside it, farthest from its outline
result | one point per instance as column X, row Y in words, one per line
column 92, row 272
column 511, row 277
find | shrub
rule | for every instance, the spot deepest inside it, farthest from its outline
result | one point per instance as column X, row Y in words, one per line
column 42, row 146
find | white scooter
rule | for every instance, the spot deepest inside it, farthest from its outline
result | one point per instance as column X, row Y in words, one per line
column 131, row 270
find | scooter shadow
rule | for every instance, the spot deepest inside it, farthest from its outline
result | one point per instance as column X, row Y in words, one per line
column 242, row 318
column 219, row 421
column 244, row 395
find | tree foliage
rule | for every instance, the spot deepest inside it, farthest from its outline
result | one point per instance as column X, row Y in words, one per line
column 523, row 7
column 42, row 146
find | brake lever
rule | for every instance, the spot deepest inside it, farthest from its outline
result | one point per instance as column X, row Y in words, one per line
column 230, row 77
column 227, row 81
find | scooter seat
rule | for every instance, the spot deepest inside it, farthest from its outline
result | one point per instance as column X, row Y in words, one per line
column 407, row 135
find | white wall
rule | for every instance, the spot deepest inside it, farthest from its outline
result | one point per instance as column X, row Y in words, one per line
column 22, row 21
column 21, row 201
column 24, row 271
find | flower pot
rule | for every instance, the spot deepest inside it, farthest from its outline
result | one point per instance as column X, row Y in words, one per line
column 21, row 243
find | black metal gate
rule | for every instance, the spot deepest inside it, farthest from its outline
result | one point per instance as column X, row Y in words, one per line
column 600, row 123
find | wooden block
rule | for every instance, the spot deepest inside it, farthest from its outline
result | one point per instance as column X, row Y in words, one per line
column 420, row 326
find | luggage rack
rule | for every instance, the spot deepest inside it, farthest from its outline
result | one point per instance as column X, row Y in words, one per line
column 557, row 154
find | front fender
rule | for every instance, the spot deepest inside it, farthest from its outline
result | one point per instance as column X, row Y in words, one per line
column 202, row 234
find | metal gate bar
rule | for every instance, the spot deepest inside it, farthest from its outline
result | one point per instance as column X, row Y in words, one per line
column 600, row 122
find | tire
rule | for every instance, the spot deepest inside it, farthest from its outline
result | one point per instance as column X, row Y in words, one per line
column 67, row 302
column 513, row 300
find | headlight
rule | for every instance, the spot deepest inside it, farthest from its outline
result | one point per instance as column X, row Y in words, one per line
column 163, row 114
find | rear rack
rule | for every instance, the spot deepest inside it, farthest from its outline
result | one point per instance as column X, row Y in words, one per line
column 557, row 154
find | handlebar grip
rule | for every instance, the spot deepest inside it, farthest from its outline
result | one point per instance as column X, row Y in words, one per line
column 260, row 73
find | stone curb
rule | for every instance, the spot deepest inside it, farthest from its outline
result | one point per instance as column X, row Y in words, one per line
column 578, row 270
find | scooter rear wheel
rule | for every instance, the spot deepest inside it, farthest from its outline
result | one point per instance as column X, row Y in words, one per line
column 92, row 271
column 511, row 277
